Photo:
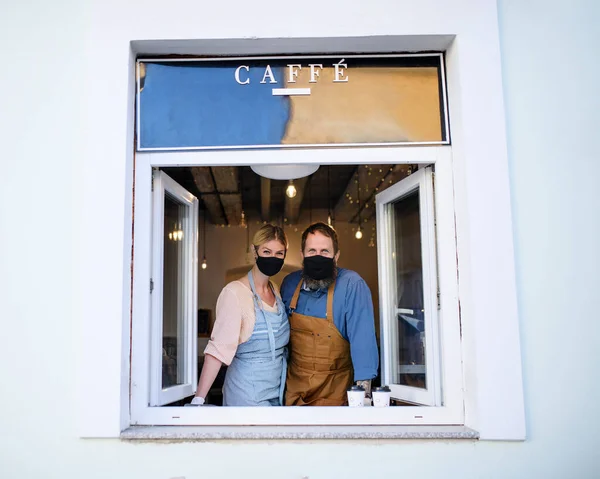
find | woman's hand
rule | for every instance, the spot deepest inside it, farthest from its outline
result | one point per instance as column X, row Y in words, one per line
column 210, row 369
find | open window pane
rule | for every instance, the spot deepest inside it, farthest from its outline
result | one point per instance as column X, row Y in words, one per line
column 174, row 292
column 408, row 290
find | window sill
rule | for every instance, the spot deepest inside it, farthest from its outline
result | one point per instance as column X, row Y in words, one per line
column 200, row 433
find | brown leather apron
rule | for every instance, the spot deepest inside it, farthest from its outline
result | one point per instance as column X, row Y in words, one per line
column 320, row 368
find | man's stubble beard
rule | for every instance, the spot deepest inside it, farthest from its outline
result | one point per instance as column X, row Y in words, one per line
column 316, row 284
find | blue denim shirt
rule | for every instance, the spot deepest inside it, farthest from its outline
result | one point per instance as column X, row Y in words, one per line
column 352, row 316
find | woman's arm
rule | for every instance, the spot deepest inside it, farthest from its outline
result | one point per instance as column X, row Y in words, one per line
column 210, row 369
column 224, row 340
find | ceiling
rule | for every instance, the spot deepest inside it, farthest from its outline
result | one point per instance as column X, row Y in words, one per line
column 225, row 191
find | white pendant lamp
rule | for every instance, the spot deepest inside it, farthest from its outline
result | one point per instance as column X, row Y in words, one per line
column 284, row 172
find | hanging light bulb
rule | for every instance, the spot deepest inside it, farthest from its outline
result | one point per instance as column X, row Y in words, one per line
column 204, row 265
column 249, row 254
column 371, row 243
column 358, row 235
column 290, row 191
column 243, row 221
column 329, row 222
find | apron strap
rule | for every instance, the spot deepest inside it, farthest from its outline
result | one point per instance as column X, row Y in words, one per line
column 330, row 302
column 258, row 307
column 328, row 312
column 294, row 302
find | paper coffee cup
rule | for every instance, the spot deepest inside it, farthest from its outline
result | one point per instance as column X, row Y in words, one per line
column 356, row 396
column 381, row 396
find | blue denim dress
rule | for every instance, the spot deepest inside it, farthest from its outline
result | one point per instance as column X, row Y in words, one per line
column 256, row 376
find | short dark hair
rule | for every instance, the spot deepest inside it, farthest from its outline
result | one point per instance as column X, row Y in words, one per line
column 325, row 230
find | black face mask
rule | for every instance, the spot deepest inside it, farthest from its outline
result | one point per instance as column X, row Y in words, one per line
column 269, row 265
column 318, row 267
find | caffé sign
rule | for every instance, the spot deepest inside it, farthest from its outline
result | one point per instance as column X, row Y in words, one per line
column 339, row 73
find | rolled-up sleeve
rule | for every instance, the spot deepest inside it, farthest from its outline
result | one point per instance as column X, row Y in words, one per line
column 360, row 324
column 225, row 336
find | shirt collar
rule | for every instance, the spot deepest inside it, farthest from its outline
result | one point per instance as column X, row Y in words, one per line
column 314, row 292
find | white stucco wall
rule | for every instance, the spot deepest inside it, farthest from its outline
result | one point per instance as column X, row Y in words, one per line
column 550, row 70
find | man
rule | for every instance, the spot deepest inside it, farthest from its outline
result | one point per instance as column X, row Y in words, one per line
column 332, row 340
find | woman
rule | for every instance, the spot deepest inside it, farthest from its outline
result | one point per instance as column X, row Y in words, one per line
column 251, row 331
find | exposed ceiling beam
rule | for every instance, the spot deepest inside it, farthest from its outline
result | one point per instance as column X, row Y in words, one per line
column 292, row 205
column 265, row 198
column 208, row 193
column 342, row 206
column 227, row 179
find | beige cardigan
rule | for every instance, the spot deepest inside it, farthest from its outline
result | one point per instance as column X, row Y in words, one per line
column 234, row 321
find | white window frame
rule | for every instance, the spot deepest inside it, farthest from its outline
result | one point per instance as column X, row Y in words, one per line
column 452, row 410
column 421, row 181
column 161, row 186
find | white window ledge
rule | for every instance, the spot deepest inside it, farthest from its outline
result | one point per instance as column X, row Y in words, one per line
column 186, row 433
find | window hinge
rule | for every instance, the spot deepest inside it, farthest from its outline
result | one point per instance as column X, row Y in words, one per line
column 439, row 301
column 151, row 285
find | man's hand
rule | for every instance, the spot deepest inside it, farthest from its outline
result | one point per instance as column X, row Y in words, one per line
column 366, row 384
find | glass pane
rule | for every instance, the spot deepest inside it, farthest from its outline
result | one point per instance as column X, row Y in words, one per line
column 173, row 293
column 409, row 363
column 406, row 105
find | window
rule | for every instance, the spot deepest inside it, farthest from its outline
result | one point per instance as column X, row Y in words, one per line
column 174, row 299
column 408, row 289
column 411, row 325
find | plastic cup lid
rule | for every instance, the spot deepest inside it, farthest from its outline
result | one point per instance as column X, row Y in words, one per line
column 356, row 388
column 382, row 389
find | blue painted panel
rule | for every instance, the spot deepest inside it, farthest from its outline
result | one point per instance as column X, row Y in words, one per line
column 195, row 105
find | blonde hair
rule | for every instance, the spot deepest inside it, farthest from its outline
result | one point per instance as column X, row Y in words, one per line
column 270, row 232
